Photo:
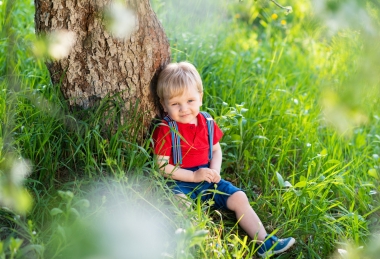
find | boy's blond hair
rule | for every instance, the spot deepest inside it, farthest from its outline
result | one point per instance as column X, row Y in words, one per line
column 175, row 78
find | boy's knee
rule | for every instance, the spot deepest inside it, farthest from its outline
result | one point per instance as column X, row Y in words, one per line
column 237, row 199
column 241, row 196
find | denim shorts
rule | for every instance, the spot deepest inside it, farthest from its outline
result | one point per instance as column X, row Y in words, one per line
column 218, row 192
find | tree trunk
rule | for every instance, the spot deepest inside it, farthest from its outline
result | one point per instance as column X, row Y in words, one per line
column 99, row 64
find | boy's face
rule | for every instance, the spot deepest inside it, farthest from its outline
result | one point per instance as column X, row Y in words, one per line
column 184, row 108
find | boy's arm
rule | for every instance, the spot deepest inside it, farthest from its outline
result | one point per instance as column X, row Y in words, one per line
column 216, row 161
column 180, row 174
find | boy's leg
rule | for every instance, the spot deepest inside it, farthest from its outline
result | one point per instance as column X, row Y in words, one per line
column 249, row 221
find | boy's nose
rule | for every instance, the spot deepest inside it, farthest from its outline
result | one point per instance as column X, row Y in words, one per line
column 183, row 107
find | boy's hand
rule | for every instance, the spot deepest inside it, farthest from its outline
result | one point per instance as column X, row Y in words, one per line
column 216, row 178
column 206, row 174
column 203, row 174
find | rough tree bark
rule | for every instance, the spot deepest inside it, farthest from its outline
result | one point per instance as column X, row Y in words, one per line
column 100, row 64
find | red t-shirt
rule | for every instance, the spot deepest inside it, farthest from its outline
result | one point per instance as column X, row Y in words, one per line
column 194, row 149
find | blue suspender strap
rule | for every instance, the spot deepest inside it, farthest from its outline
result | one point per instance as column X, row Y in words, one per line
column 210, row 129
column 176, row 140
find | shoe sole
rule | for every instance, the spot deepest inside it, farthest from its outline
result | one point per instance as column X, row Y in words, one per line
column 271, row 252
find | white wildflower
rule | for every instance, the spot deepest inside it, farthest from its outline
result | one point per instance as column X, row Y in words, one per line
column 122, row 22
column 60, row 43
column 20, row 169
column 372, row 192
column 180, row 231
column 343, row 252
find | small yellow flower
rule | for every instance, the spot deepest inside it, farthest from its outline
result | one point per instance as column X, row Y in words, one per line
column 237, row 16
column 274, row 16
column 283, row 22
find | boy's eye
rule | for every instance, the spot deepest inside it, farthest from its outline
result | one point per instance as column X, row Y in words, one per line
column 190, row 101
column 173, row 104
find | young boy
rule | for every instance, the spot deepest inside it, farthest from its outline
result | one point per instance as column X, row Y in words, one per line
column 188, row 151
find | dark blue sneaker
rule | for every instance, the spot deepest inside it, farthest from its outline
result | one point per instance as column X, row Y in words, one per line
column 273, row 245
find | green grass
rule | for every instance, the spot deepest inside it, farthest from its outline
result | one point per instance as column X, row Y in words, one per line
column 280, row 92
